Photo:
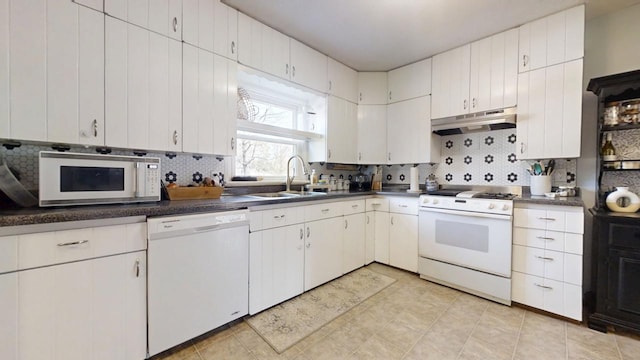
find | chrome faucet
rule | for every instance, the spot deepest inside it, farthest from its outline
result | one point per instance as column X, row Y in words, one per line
column 290, row 178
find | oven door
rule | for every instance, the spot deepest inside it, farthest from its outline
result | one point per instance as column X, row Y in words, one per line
column 471, row 240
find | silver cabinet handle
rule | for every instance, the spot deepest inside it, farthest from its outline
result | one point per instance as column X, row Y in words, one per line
column 543, row 286
column 324, row 211
column 137, row 267
column 308, row 232
column 360, row 97
column 359, row 156
column 308, row 245
column 522, row 148
column 525, row 60
column 392, row 220
column 464, row 104
column 544, row 238
column 329, row 84
column 389, row 156
column 175, row 137
column 346, row 224
column 73, row 243
column 301, row 234
column 233, row 47
column 175, row 24
column 233, row 143
column 368, row 219
column 545, row 258
column 329, row 153
column 94, row 127
column 474, row 102
column 547, row 219
column 279, row 217
column 403, row 205
column 355, row 206
column 389, row 95
column 293, row 70
column 286, row 69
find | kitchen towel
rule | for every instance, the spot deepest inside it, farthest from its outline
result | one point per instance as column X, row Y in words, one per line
column 414, row 185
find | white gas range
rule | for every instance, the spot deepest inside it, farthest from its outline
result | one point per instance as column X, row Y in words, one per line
column 465, row 240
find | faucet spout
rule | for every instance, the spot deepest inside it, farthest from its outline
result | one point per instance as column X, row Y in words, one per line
column 304, row 168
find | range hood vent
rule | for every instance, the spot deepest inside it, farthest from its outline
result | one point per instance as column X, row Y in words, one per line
column 481, row 121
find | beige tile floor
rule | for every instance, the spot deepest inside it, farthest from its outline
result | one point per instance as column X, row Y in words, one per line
column 416, row 319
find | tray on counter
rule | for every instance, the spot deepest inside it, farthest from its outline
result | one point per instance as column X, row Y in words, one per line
column 193, row 193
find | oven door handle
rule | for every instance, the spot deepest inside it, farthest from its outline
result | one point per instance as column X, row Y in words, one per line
column 466, row 213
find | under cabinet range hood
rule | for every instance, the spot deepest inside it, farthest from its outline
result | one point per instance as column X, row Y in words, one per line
column 480, row 121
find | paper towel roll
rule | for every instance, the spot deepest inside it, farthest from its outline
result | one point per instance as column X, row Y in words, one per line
column 414, row 184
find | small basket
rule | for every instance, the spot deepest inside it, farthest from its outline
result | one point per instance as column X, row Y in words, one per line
column 194, row 193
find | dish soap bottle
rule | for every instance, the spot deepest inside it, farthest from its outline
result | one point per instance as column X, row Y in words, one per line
column 313, row 179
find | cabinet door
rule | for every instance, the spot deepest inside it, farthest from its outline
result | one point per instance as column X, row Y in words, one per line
column 353, row 242
column 341, row 131
column 323, row 251
column 165, row 17
column 197, row 100
column 370, row 237
column 381, row 225
column 403, row 241
column 277, row 266
column 250, row 33
column 372, row 134
column 399, row 146
column 275, row 53
column 409, row 138
column 451, row 82
column 8, row 316
column 308, row 66
column 225, row 31
column 198, row 28
column 343, row 81
column 480, row 78
column 410, row 81
column 372, row 88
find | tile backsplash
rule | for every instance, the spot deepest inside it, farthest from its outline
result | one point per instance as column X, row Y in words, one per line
column 483, row 158
column 627, row 147
column 180, row 168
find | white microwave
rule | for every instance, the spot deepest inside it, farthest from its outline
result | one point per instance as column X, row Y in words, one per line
column 84, row 179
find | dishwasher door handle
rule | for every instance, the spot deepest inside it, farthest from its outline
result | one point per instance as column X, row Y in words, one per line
column 206, row 228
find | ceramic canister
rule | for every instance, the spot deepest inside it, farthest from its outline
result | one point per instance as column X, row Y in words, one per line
column 623, row 200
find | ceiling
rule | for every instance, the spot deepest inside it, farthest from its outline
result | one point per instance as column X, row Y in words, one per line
column 380, row 35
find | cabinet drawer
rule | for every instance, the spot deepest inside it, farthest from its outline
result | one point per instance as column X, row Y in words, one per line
column 377, row 204
column 57, row 247
column 353, row 207
column 549, row 295
column 571, row 220
column 624, row 236
column 550, row 240
column 403, row 205
column 322, row 211
column 8, row 253
column 538, row 262
column 279, row 217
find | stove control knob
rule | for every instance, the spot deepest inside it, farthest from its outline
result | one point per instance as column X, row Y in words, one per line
column 491, row 206
column 425, row 201
column 435, row 201
column 505, row 207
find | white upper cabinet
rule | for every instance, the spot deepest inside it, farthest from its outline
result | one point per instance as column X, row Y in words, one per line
column 409, row 137
column 550, row 112
column 209, row 102
column 161, row 16
column 372, row 134
column 343, row 81
column 262, row 47
column 450, row 83
column 552, row 40
column 308, row 66
column 52, row 72
column 410, row 81
column 225, row 35
column 372, row 88
column 143, row 71
column 341, row 131
column 494, row 72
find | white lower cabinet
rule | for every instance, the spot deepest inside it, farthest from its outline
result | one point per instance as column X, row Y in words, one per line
column 547, row 259
column 8, row 316
column 370, row 237
column 77, row 294
column 323, row 251
column 378, row 208
column 276, row 264
column 353, row 250
column 403, row 241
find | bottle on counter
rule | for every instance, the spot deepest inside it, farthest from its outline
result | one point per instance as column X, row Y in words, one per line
column 608, row 151
column 313, row 178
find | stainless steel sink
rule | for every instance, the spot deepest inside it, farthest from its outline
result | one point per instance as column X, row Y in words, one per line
column 286, row 194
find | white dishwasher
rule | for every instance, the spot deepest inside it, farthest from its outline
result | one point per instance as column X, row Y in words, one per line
column 198, row 274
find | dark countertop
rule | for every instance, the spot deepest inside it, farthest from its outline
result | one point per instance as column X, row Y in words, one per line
column 543, row 200
column 15, row 217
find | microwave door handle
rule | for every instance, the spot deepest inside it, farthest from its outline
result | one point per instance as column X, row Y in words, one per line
column 136, row 179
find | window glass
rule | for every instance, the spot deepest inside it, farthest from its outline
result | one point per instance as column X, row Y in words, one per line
column 273, row 114
column 262, row 158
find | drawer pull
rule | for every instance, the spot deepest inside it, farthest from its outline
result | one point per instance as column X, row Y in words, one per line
column 544, row 238
column 547, row 219
column 543, row 286
column 324, row 211
column 73, row 243
column 137, row 267
column 354, row 206
column 301, row 233
column 403, row 206
column 545, row 258
column 279, row 217
column 368, row 219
